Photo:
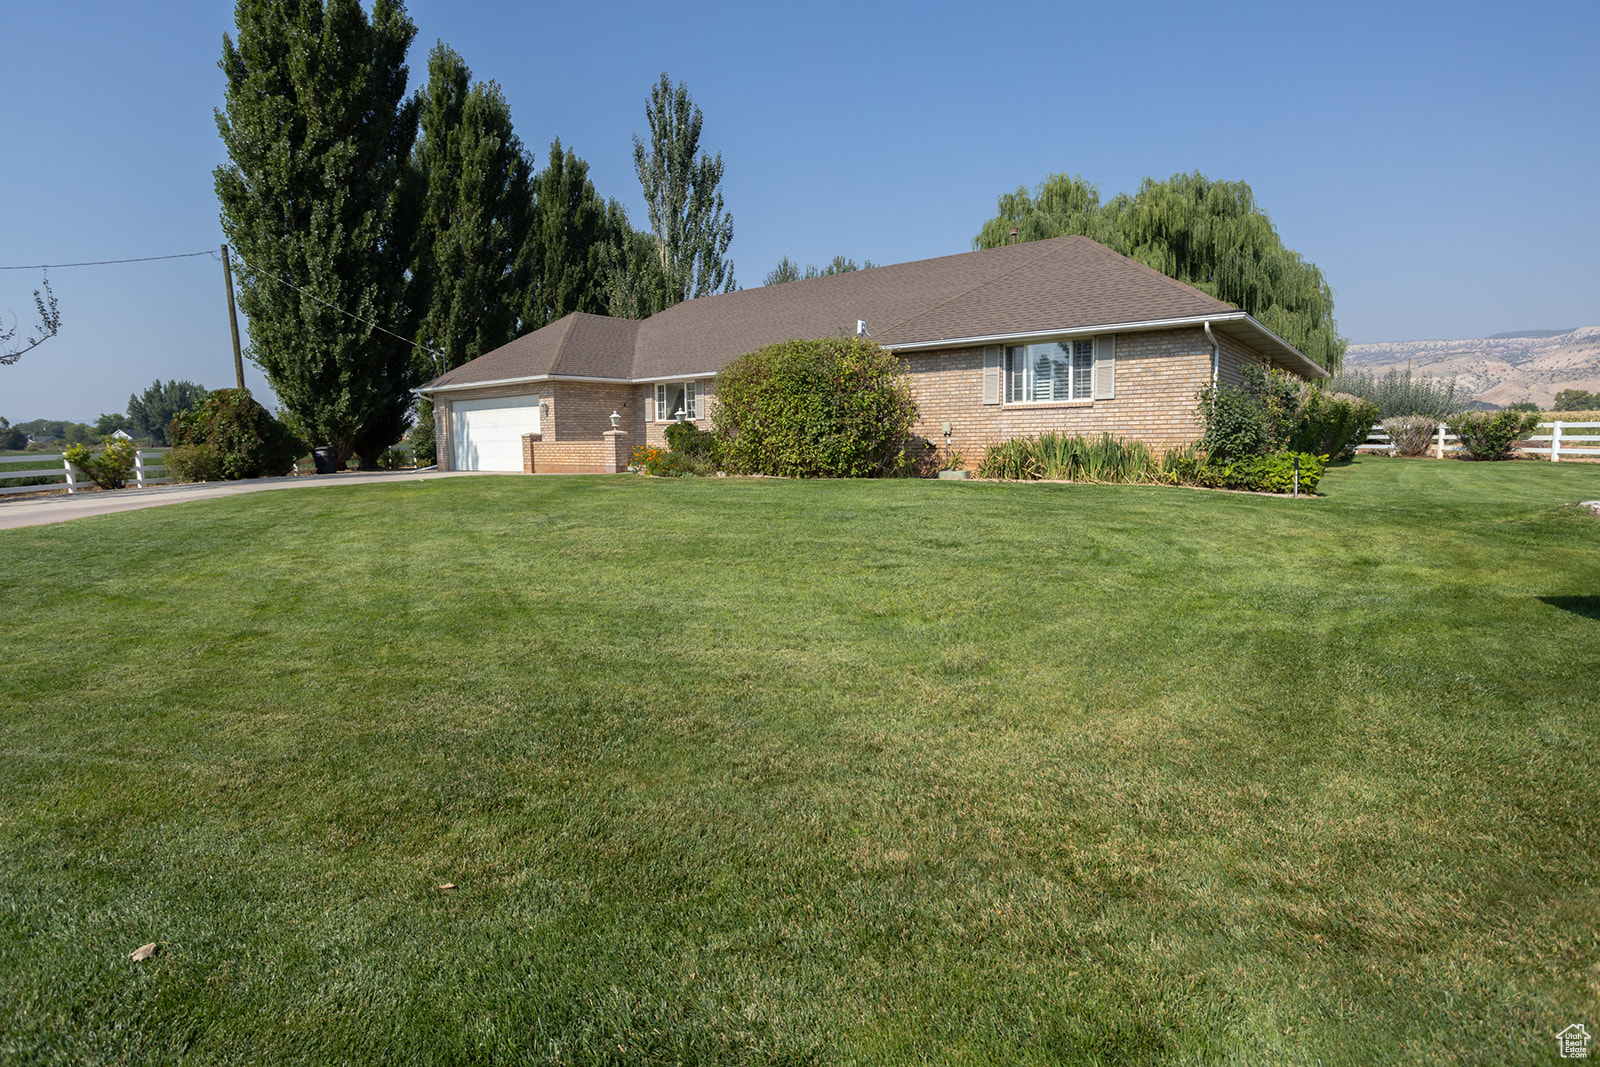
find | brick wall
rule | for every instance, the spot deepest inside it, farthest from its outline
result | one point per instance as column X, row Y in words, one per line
column 1158, row 375
column 608, row 455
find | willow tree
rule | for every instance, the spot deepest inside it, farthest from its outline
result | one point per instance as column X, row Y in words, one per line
column 470, row 270
column 680, row 182
column 1208, row 234
column 318, row 202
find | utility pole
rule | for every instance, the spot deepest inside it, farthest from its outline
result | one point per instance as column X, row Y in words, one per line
column 233, row 317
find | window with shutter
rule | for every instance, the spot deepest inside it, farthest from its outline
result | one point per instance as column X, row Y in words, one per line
column 1105, row 367
column 991, row 374
column 1049, row 371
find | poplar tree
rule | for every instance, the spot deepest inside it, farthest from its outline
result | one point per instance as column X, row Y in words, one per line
column 568, row 242
column 1208, row 234
column 692, row 232
column 318, row 201
column 470, row 272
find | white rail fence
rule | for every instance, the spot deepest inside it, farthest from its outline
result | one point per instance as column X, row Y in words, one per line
column 149, row 468
column 1561, row 441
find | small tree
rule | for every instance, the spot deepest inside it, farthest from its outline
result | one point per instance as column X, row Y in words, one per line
column 837, row 408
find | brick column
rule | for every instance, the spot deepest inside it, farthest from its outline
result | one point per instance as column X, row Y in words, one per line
column 617, row 451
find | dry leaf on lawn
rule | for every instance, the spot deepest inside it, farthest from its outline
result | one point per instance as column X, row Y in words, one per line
column 144, row 952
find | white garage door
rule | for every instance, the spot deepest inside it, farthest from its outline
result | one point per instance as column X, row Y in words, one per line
column 487, row 434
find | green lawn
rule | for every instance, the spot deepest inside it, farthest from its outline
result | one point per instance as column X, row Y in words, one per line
column 759, row 771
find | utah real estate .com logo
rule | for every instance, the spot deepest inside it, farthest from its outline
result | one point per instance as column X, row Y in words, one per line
column 1574, row 1042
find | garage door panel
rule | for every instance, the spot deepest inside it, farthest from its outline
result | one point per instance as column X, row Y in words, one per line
column 487, row 434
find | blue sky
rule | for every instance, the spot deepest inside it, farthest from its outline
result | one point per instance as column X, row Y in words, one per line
column 1439, row 162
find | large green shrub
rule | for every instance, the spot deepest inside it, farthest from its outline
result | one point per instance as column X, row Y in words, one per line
column 1490, row 434
column 836, row 408
column 1331, row 424
column 229, row 437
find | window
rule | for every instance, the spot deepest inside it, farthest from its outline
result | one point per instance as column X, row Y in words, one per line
column 1052, row 370
column 1079, row 368
column 671, row 397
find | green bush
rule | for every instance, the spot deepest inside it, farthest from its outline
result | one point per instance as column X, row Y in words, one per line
column 1331, row 424
column 1411, row 435
column 1490, row 434
column 230, row 437
column 1235, row 423
column 837, row 408
column 687, row 439
column 392, row 458
column 1273, row 474
column 195, row 463
column 110, row 469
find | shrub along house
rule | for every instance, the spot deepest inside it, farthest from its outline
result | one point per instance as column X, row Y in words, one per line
column 1061, row 335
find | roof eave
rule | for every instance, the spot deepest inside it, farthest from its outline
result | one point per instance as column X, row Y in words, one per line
column 528, row 379
column 1283, row 349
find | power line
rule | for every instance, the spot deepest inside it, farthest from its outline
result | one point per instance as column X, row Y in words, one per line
column 334, row 307
column 107, row 262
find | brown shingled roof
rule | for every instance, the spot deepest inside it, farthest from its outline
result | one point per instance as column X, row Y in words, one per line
column 579, row 345
column 1067, row 283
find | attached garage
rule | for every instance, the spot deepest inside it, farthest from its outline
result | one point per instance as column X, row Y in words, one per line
column 486, row 435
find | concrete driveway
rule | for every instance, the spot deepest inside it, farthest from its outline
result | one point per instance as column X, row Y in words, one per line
column 39, row 509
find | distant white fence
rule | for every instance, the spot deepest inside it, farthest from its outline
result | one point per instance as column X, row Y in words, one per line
column 149, row 468
column 1561, row 441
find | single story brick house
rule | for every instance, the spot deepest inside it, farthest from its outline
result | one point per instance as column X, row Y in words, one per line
column 1061, row 335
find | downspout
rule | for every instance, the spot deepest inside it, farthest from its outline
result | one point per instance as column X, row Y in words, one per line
column 1216, row 352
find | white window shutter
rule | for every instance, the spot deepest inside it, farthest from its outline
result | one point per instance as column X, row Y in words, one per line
column 650, row 406
column 992, row 363
column 1105, row 367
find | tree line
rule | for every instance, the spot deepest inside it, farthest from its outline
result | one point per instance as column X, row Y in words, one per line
column 387, row 236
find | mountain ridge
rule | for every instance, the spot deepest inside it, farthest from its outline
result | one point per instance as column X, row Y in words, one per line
column 1502, row 369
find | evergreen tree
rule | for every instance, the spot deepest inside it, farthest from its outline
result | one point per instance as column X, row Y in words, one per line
column 318, row 201
column 1208, row 234
column 692, row 233
column 470, row 272
column 568, row 247
column 149, row 415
